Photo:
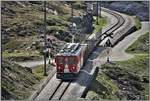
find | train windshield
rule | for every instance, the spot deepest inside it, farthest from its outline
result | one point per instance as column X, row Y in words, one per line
column 72, row 60
column 60, row 60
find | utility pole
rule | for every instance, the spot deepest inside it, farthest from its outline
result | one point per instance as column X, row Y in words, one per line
column 72, row 11
column 45, row 38
column 97, row 11
column 72, row 23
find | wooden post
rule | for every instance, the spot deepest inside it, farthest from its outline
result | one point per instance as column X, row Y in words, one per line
column 45, row 39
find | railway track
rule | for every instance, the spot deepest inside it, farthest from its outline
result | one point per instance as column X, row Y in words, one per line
column 113, row 28
column 55, row 89
column 60, row 90
column 119, row 23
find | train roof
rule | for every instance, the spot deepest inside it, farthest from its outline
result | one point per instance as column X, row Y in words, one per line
column 70, row 49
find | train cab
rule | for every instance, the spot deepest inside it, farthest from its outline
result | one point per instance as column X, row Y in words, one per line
column 69, row 61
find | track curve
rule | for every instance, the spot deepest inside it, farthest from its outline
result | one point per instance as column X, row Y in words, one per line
column 55, row 89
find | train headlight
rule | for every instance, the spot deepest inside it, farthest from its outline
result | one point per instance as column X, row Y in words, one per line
column 73, row 67
column 59, row 68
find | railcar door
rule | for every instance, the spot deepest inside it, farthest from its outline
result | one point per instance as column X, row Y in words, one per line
column 73, row 64
column 60, row 64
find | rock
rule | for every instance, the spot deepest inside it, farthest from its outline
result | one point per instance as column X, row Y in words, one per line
column 33, row 43
column 145, row 79
column 20, row 3
column 27, row 48
column 29, row 69
column 35, row 2
column 29, row 34
column 22, row 33
column 112, row 75
column 140, row 9
column 55, row 12
column 51, row 22
column 132, row 76
column 131, row 97
column 137, row 85
column 10, row 50
column 6, row 94
column 16, row 51
column 123, row 82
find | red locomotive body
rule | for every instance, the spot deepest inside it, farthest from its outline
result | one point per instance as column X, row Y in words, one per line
column 69, row 61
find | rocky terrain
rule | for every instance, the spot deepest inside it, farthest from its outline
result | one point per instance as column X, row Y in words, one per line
column 136, row 8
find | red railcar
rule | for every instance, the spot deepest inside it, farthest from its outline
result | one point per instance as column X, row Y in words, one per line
column 70, row 60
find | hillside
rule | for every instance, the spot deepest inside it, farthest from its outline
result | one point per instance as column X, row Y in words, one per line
column 23, row 27
column 16, row 82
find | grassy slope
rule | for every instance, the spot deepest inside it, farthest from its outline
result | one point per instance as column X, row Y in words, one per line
column 17, row 82
column 130, row 77
column 101, row 23
column 141, row 45
column 137, row 23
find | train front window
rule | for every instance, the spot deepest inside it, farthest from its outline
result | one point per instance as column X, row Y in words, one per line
column 72, row 60
column 60, row 60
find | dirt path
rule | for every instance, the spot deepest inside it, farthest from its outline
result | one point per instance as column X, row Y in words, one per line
column 118, row 52
column 32, row 64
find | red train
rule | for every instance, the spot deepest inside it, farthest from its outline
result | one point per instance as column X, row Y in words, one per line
column 71, row 58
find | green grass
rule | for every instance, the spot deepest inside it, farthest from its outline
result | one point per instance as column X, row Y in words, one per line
column 101, row 23
column 141, row 45
column 137, row 23
column 137, row 65
column 21, row 55
column 38, row 72
column 13, row 44
column 102, row 88
column 6, row 54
